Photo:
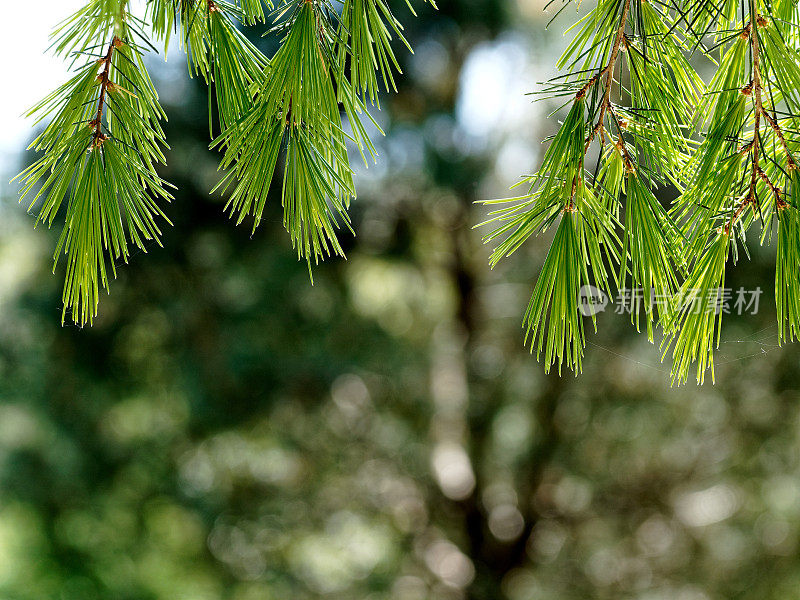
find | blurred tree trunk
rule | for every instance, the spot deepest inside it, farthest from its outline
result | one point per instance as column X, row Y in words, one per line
column 493, row 559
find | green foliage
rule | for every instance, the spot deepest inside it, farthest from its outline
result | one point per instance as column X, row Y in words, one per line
column 550, row 191
column 635, row 102
column 584, row 238
column 100, row 152
column 787, row 271
column 297, row 92
column 694, row 326
column 291, row 104
column 652, row 244
column 365, row 35
column 634, row 91
column 218, row 51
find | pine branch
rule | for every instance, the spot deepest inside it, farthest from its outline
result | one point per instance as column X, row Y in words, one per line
column 729, row 178
column 663, row 82
column 693, row 329
column 99, row 152
column 297, row 96
column 103, row 145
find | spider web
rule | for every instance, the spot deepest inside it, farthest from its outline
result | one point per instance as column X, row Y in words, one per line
column 728, row 352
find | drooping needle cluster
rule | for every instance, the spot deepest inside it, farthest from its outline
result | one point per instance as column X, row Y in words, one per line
column 103, row 142
column 99, row 151
column 633, row 92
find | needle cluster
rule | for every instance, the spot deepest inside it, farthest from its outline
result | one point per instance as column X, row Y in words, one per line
column 297, row 112
column 727, row 146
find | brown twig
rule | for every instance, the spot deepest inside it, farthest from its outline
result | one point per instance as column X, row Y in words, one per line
column 608, row 73
column 620, row 144
column 773, row 123
column 759, row 107
column 98, row 137
column 770, row 185
column 754, row 89
column 592, row 80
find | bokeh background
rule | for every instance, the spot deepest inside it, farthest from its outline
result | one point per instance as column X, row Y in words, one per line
column 226, row 430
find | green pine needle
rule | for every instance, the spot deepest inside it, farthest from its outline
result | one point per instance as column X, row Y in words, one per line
column 104, row 143
column 577, row 257
column 655, row 249
column 787, row 274
column 736, row 176
column 295, row 100
column 99, row 153
column 693, row 328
